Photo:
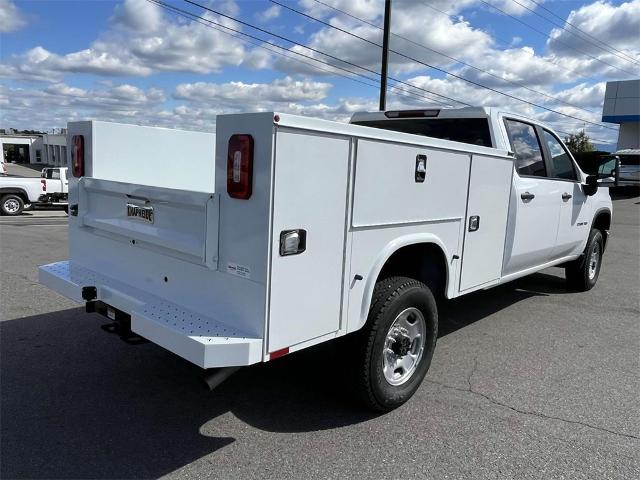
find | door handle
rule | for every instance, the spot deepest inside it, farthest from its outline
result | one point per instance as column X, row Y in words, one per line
column 566, row 196
column 527, row 196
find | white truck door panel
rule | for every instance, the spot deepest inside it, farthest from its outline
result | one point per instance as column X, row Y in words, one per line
column 574, row 221
column 310, row 193
column 533, row 223
column 489, row 188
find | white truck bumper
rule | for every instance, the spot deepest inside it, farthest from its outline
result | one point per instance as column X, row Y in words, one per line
column 204, row 341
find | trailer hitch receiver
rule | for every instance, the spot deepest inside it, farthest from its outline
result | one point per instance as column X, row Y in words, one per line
column 89, row 293
column 120, row 322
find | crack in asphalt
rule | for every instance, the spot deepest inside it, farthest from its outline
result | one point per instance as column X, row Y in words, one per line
column 494, row 401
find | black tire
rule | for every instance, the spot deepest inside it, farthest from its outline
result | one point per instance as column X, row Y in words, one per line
column 391, row 297
column 11, row 204
column 582, row 274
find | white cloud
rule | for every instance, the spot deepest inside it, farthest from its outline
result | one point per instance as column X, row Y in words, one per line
column 584, row 94
column 617, row 26
column 11, row 19
column 60, row 103
column 141, row 16
column 410, row 19
column 269, row 14
column 140, row 41
column 238, row 94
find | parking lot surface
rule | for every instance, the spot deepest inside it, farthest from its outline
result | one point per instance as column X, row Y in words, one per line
column 528, row 381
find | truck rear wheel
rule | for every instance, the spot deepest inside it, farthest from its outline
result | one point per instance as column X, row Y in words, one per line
column 582, row 274
column 397, row 343
column 11, row 204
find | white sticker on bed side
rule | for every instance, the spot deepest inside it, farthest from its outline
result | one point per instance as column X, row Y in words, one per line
column 240, row 270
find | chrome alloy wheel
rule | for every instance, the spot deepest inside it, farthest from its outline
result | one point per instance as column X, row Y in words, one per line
column 594, row 260
column 11, row 205
column 404, row 346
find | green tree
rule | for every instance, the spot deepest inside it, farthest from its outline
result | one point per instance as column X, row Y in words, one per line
column 579, row 142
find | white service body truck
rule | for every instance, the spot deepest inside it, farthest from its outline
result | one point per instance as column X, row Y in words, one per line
column 18, row 192
column 296, row 231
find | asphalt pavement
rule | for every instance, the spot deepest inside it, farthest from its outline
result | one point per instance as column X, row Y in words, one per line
column 528, row 381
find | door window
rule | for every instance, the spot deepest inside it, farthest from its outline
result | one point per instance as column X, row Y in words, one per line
column 561, row 162
column 525, row 144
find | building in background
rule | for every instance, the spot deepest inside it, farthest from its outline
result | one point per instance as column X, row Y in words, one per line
column 51, row 150
column 45, row 149
column 622, row 106
column 17, row 147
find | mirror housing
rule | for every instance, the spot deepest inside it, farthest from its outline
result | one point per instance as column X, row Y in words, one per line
column 609, row 171
column 591, row 186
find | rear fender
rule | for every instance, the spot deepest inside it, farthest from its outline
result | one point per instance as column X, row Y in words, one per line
column 382, row 259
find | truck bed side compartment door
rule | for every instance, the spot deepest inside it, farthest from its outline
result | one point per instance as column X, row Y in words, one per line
column 310, row 195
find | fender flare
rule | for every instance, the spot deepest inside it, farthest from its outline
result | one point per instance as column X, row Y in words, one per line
column 384, row 255
column 597, row 213
column 16, row 191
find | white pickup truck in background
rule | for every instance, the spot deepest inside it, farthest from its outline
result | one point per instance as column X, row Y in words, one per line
column 296, row 231
column 50, row 189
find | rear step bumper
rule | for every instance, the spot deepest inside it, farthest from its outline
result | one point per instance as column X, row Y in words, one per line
column 204, row 341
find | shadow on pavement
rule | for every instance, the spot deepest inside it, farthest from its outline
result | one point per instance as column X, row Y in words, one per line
column 79, row 403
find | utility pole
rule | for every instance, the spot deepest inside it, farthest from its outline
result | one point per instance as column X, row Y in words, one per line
column 385, row 55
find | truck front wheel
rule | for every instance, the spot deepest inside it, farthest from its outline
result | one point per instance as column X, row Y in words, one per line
column 582, row 274
column 11, row 204
column 396, row 345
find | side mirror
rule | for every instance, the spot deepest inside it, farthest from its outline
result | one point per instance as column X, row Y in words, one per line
column 591, row 185
column 609, row 172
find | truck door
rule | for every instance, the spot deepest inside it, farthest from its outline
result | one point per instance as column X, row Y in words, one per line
column 65, row 180
column 534, row 208
column 574, row 220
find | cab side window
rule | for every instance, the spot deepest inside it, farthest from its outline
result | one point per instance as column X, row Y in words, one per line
column 526, row 146
column 560, row 160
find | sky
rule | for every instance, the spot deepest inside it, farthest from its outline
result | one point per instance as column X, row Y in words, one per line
column 135, row 61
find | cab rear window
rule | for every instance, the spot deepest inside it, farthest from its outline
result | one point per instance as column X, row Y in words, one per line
column 466, row 130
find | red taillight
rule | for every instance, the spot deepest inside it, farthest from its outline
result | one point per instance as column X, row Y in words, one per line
column 77, row 157
column 44, row 185
column 240, row 166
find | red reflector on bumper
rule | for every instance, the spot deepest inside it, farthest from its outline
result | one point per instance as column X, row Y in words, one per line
column 278, row 353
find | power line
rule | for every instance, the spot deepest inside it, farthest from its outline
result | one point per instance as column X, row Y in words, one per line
column 517, row 84
column 242, row 22
column 263, row 44
column 608, row 49
column 212, row 24
column 473, row 82
column 399, row 91
column 548, row 36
